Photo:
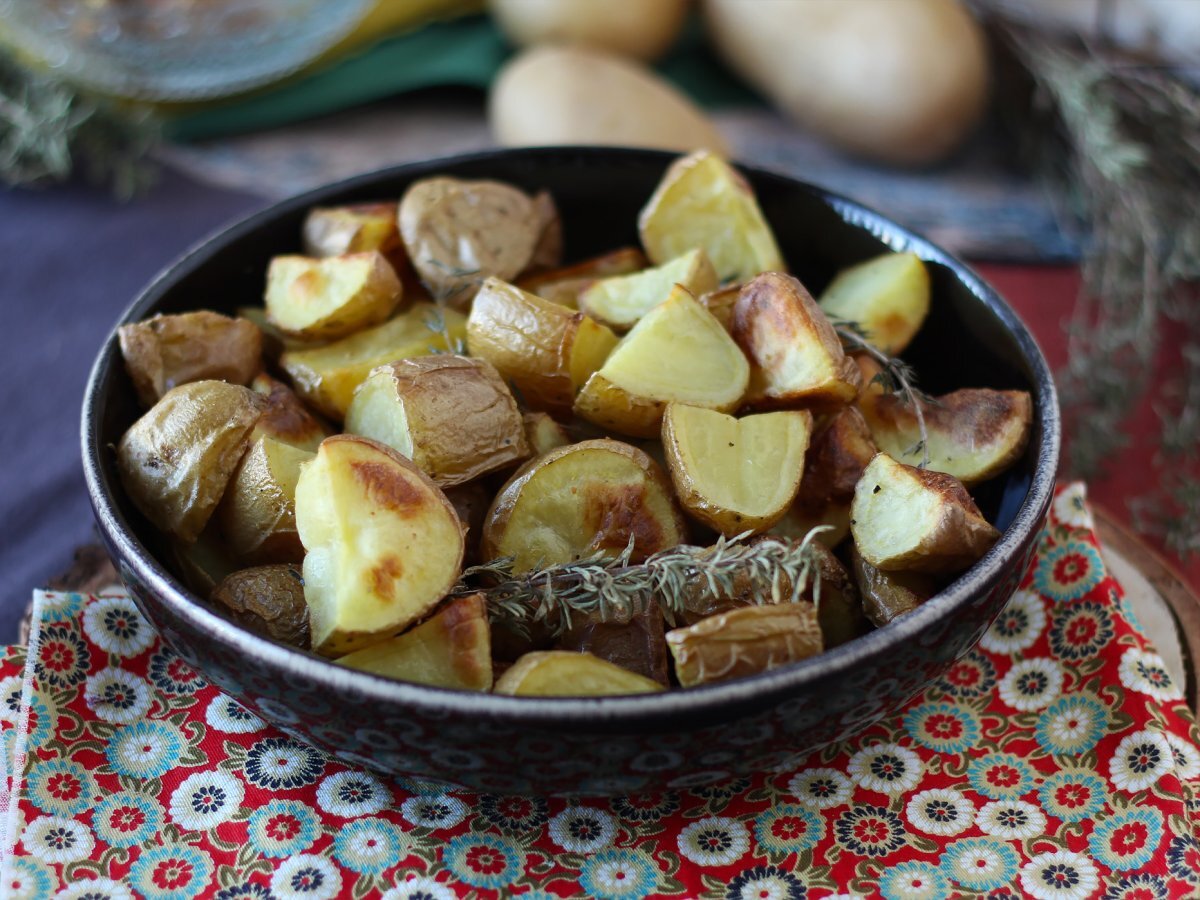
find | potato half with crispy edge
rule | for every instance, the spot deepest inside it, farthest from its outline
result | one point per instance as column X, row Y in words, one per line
column 166, row 351
column 916, row 520
column 546, row 350
column 330, row 298
column 973, row 434
column 566, row 673
column 451, row 415
column 637, row 644
column 327, row 376
column 383, row 543
column 543, row 433
column 576, row 501
column 450, row 649
column 744, row 642
column 677, row 353
column 735, row 475
column 268, row 600
column 258, row 512
column 888, row 297
column 176, row 460
column 796, row 356
column 887, row 596
column 460, row 232
column 564, row 285
column 358, row 228
column 286, row 418
column 703, row 202
column 623, row 299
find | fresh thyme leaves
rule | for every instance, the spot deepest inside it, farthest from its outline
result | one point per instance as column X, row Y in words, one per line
column 436, row 322
column 442, row 295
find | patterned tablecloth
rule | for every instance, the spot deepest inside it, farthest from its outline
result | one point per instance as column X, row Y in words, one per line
column 1055, row 761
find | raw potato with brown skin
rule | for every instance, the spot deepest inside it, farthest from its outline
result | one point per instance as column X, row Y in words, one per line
column 565, row 673
column 286, row 418
column 330, row 298
column 176, row 460
column 564, row 285
column 910, row 519
column 888, row 595
column 637, row 644
column 642, row 30
column 166, row 351
column 268, row 600
column 258, row 512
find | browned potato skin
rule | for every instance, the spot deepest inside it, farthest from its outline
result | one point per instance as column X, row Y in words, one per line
column 638, row 645
column 549, row 249
column 564, row 285
column 886, row 596
column 176, row 460
column 257, row 514
column 166, row 351
column 286, row 418
column 721, row 303
column 841, row 448
column 268, row 600
column 357, row 228
column 744, row 642
column 204, row 562
column 543, row 433
column 471, row 501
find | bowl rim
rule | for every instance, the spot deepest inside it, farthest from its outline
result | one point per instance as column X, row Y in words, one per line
column 593, row 712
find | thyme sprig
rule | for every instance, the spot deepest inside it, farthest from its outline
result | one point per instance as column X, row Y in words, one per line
column 441, row 295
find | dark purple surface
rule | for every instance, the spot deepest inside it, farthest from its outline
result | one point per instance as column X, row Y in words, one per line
column 71, row 259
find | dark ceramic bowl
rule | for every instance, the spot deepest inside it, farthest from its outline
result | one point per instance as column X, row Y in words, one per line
column 616, row 745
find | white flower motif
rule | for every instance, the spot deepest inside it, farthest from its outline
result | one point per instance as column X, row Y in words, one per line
column 10, row 699
column 306, row 877
column 1146, row 673
column 1032, row 684
column 420, row 888
column 206, row 799
column 1070, row 507
column 1011, row 820
column 1061, row 875
column 820, row 788
column 1187, row 758
column 714, row 841
column 887, row 768
column 352, row 793
column 940, row 811
column 436, row 811
column 115, row 626
column 1018, row 626
column 583, row 829
column 57, row 839
column 117, row 696
column 226, row 714
column 1141, row 759
column 95, row 887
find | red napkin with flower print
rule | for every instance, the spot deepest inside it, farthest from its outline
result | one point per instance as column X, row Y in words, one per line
column 1054, row 761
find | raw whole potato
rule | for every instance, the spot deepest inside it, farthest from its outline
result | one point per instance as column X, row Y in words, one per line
column 338, row 230
column 888, row 595
column 286, row 418
column 703, row 202
column 166, row 351
column 643, row 29
column 326, row 299
column 888, row 297
column 904, row 518
column 543, row 433
column 564, row 285
column 735, row 475
column 258, row 512
column 176, row 460
column 620, row 301
column 638, row 644
column 451, row 415
column 451, row 649
column 565, row 673
column 549, row 96
column 903, row 81
column 576, row 501
column 268, row 600
column 383, row 543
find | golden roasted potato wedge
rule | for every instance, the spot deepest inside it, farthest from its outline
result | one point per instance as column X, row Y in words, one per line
column 258, row 512
column 286, row 418
column 974, row 434
column 458, row 233
column 330, row 298
column 720, row 302
column 565, row 673
column 637, row 645
column 383, row 543
column 677, row 353
column 274, row 342
column 543, row 433
column 545, row 349
column 703, row 202
column 916, row 520
column 796, row 357
column 889, row 595
column 176, row 460
column 579, row 500
column 361, row 227
column 268, row 600
column 621, row 300
column 327, row 376
column 451, row 649
column 166, row 351
column 451, row 415
column 735, row 475
column 887, row 296
column 563, row 285
column 547, row 253
column 744, row 641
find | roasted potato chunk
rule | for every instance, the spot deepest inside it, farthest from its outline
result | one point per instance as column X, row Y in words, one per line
column 546, row 350
column 833, row 518
column 564, row 285
column 451, row 649
column 274, row 342
column 796, row 357
column 579, row 500
column 677, row 353
column 720, row 302
column 451, row 415
column 166, row 351
column 564, row 673
column 330, row 298
column 888, row 297
column 362, row 227
column 383, row 543
column 548, row 251
column 286, row 418
column 735, row 475
column 916, row 520
column 268, row 600
column 327, row 376
column 637, row 644
column 258, row 512
column 471, row 502
column 176, row 460
column 887, row 596
column 744, row 641
column 204, row 562
column 543, row 433
column 621, row 300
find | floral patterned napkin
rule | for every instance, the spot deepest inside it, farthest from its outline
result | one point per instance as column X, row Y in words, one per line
column 1055, row 761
